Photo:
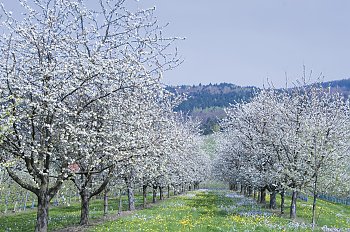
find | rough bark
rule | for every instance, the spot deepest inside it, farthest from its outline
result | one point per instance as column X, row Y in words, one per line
column 84, row 212
column 43, row 192
column 293, row 205
column 168, row 190
column 42, row 213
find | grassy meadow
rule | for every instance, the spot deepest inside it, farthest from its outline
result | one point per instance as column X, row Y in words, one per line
column 202, row 210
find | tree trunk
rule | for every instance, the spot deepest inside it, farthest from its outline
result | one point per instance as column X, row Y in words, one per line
column 314, row 190
column 197, row 186
column 273, row 199
column 250, row 191
column 43, row 212
column 105, row 203
column 282, row 201
column 86, row 193
column 168, row 190
column 314, row 203
column 154, row 197
column 84, row 215
column 161, row 197
column 131, row 197
column 120, row 205
column 263, row 196
column 230, row 186
column 293, row 205
column 314, row 210
column 144, row 195
column 7, row 200
column 25, row 201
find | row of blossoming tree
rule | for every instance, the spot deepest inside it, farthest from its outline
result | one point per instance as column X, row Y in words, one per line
column 83, row 102
column 294, row 140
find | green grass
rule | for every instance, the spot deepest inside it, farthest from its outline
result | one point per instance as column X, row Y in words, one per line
column 59, row 217
column 327, row 213
column 224, row 211
column 219, row 210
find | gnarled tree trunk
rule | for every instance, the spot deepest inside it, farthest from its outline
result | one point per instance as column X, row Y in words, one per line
column 43, row 212
column 86, row 192
column 84, row 212
column 43, row 192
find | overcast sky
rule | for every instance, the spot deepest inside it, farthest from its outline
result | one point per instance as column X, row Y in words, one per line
column 245, row 42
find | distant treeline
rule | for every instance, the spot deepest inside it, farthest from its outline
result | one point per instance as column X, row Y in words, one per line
column 207, row 102
column 212, row 95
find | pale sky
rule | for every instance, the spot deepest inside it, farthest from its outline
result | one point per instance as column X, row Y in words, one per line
column 245, row 42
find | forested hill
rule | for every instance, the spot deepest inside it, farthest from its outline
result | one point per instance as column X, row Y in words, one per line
column 342, row 86
column 206, row 102
column 212, row 95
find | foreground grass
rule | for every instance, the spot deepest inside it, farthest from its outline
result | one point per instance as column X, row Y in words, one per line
column 59, row 217
column 223, row 211
column 219, row 210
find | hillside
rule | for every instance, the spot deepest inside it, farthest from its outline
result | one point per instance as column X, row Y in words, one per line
column 206, row 102
column 342, row 86
column 212, row 95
